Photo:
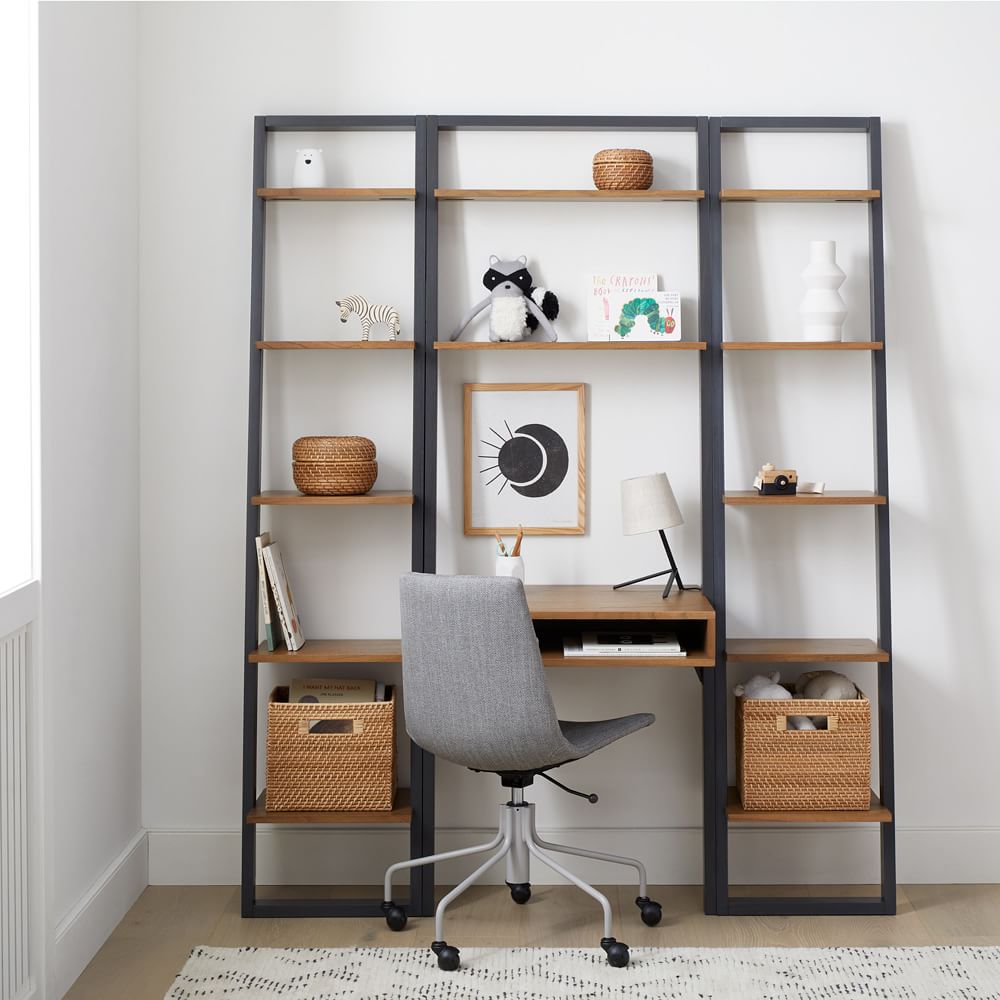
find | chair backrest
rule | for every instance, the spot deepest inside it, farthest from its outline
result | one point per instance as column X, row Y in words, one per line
column 474, row 687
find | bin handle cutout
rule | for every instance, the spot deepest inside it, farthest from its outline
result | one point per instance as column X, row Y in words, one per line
column 331, row 727
column 781, row 724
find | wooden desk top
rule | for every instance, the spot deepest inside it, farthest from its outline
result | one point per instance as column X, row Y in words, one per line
column 594, row 603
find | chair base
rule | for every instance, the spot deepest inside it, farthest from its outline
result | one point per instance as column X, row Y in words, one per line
column 516, row 842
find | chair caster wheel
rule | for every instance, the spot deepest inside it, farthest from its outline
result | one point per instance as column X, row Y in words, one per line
column 617, row 952
column 447, row 956
column 652, row 912
column 395, row 916
column 520, row 892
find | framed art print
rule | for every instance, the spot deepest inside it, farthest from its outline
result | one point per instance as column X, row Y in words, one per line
column 524, row 458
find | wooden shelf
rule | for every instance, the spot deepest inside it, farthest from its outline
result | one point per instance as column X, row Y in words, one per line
column 570, row 345
column 333, row 651
column 337, row 194
column 798, row 194
column 552, row 656
column 555, row 194
column 400, row 814
column 336, row 345
column 735, row 813
column 752, row 498
column 804, row 651
column 802, row 345
column 282, row 498
column 601, row 603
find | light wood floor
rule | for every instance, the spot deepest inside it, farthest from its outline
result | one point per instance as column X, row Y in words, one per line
column 148, row 948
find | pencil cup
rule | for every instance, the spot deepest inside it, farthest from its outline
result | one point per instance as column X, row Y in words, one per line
column 511, row 566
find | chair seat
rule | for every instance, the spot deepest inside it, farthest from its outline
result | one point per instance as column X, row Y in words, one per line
column 586, row 737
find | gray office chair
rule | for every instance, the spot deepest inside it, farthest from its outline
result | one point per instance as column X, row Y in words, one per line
column 475, row 693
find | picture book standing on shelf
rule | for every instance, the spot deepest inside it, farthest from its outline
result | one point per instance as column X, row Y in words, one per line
column 282, row 590
column 270, row 611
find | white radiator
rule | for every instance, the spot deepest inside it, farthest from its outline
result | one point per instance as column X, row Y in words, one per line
column 15, row 968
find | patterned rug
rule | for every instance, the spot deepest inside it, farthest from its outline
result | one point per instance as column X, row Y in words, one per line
column 950, row 973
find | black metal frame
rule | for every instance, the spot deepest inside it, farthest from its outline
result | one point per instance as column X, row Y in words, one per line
column 717, row 896
column 422, row 534
column 708, row 132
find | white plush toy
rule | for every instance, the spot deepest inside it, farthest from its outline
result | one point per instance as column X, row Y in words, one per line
column 826, row 684
column 767, row 688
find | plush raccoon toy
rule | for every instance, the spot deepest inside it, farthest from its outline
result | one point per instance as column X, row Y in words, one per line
column 517, row 307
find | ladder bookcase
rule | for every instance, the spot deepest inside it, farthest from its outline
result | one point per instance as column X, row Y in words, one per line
column 416, row 809
column 410, row 808
column 725, row 806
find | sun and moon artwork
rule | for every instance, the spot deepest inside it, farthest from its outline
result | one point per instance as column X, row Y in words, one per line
column 524, row 458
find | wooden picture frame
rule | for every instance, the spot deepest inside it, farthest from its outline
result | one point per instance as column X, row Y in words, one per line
column 550, row 497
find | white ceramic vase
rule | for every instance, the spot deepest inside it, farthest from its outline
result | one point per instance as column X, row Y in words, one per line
column 823, row 309
column 511, row 566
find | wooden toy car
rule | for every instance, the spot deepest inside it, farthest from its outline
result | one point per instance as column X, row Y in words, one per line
column 775, row 482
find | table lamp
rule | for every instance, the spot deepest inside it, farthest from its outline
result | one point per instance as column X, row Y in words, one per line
column 648, row 504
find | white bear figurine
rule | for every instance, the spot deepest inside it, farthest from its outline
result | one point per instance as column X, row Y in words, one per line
column 310, row 170
column 767, row 688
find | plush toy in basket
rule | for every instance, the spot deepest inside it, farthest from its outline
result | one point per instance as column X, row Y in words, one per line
column 517, row 307
column 334, row 466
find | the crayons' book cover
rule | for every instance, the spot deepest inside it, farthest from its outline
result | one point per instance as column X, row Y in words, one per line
column 605, row 287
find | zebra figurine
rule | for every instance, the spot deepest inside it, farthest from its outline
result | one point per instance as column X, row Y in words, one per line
column 369, row 315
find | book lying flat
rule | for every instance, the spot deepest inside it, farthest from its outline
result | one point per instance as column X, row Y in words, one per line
column 325, row 691
column 663, row 643
column 572, row 646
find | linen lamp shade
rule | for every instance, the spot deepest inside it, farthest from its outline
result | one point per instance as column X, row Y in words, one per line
column 648, row 504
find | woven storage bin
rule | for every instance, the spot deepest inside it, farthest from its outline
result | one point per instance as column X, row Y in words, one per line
column 347, row 478
column 623, row 170
column 780, row 768
column 350, row 771
column 333, row 449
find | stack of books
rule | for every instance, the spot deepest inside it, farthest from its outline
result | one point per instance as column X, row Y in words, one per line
column 608, row 644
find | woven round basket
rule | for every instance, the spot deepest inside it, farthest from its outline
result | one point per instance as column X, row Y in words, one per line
column 333, row 449
column 623, row 170
column 334, row 479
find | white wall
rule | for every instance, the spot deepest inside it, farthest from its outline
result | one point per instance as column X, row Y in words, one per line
column 90, row 474
column 205, row 70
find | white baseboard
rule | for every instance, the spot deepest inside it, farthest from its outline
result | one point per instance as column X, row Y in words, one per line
column 673, row 856
column 83, row 930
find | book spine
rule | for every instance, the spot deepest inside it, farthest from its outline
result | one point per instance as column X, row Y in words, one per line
column 276, row 591
column 265, row 596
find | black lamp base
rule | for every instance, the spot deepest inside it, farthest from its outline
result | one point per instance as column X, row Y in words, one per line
column 673, row 574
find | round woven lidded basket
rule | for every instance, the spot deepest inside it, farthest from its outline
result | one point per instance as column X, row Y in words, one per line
column 623, row 170
column 333, row 449
column 346, row 478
